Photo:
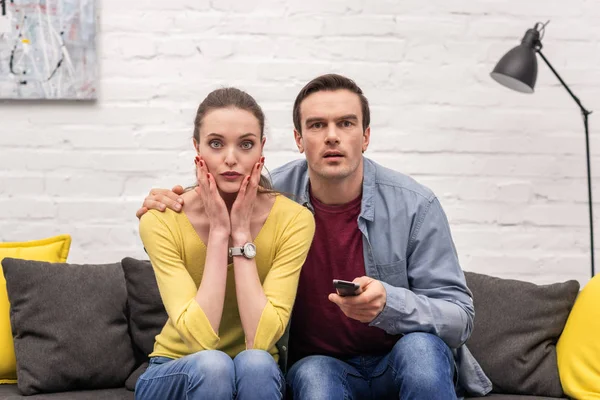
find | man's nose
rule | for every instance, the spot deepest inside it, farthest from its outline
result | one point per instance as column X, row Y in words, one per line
column 332, row 135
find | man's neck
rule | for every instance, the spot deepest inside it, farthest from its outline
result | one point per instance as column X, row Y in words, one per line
column 336, row 192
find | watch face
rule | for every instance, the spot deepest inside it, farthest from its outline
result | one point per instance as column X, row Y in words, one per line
column 249, row 250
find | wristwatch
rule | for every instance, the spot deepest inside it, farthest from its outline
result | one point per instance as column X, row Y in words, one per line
column 248, row 250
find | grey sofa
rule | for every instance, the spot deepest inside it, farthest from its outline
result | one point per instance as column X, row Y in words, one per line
column 517, row 325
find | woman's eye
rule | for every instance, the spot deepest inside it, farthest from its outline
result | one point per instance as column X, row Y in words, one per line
column 247, row 145
column 215, row 144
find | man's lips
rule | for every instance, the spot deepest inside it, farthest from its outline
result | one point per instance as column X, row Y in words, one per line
column 332, row 154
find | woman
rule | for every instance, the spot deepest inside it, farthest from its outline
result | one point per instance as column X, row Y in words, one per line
column 227, row 266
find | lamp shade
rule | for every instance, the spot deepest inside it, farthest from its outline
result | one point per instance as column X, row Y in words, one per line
column 517, row 70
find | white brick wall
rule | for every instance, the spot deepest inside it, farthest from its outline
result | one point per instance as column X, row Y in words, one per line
column 508, row 168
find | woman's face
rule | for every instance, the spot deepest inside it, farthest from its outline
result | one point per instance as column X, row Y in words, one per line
column 231, row 145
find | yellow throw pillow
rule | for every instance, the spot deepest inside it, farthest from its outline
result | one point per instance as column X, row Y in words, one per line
column 54, row 249
column 578, row 349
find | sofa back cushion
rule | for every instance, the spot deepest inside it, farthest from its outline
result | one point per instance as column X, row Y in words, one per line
column 517, row 325
column 147, row 314
column 69, row 325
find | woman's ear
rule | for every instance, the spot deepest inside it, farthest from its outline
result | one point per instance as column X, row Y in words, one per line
column 262, row 144
column 196, row 146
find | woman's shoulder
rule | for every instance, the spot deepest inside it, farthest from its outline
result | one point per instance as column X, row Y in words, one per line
column 154, row 219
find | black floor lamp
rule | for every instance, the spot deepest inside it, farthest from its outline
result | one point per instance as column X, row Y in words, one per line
column 517, row 70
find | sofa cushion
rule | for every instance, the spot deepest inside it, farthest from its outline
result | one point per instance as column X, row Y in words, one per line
column 517, row 325
column 54, row 249
column 11, row 392
column 579, row 346
column 69, row 325
column 147, row 314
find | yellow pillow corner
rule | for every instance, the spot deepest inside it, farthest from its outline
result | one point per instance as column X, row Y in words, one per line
column 52, row 249
column 578, row 348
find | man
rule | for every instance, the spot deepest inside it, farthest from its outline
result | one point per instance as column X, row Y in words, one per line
column 403, row 335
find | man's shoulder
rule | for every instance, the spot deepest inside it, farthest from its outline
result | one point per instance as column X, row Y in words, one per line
column 293, row 167
column 389, row 179
column 290, row 177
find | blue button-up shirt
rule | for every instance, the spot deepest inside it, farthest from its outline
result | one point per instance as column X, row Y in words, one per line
column 407, row 245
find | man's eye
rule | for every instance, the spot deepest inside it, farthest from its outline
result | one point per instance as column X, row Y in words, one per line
column 247, row 145
column 215, row 144
column 317, row 125
column 347, row 124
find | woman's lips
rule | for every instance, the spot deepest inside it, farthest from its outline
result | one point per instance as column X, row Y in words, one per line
column 231, row 176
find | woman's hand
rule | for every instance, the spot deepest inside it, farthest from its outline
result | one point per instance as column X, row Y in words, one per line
column 215, row 207
column 241, row 211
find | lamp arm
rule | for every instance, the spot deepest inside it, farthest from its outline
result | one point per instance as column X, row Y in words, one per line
column 585, row 114
column 584, row 111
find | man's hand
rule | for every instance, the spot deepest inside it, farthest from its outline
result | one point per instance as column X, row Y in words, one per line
column 365, row 306
column 160, row 199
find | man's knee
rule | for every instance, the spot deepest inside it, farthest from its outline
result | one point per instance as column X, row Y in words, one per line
column 423, row 359
column 311, row 370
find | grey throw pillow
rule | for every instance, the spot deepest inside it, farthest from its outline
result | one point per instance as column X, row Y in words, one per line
column 69, row 325
column 147, row 314
column 517, row 325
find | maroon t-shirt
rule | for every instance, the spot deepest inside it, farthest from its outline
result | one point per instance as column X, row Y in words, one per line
column 318, row 325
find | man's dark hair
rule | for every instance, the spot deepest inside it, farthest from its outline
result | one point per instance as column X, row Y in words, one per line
column 331, row 82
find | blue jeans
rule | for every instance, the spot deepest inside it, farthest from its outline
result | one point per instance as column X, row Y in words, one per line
column 420, row 366
column 212, row 374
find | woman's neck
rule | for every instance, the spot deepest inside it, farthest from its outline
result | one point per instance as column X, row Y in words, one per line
column 229, row 199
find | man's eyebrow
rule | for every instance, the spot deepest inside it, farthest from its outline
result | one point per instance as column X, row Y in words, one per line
column 348, row 116
column 313, row 119
column 352, row 117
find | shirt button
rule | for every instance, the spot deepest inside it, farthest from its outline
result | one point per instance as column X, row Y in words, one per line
column 283, row 348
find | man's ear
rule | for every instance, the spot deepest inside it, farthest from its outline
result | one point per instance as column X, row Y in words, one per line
column 366, row 139
column 298, row 139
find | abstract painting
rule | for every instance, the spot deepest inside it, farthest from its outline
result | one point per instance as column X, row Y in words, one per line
column 48, row 49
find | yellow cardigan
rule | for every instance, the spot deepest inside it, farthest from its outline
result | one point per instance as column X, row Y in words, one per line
column 178, row 255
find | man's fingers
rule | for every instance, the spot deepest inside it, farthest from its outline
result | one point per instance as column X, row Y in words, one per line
column 160, row 203
column 178, row 189
column 164, row 196
column 141, row 212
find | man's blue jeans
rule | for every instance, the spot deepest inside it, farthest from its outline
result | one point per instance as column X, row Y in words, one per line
column 420, row 366
column 212, row 374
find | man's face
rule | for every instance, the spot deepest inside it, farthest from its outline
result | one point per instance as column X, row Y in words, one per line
column 332, row 136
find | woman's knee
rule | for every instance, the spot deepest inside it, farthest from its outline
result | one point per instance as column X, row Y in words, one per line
column 257, row 362
column 210, row 364
column 257, row 372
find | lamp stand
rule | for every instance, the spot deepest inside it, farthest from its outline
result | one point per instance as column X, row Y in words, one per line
column 585, row 114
